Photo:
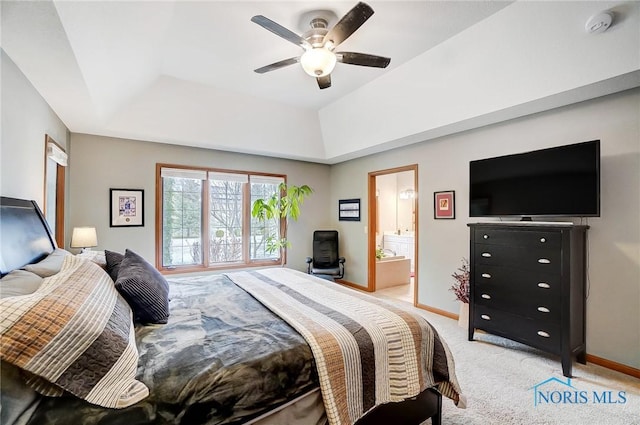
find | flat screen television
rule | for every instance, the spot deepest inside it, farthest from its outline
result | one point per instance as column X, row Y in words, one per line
column 559, row 181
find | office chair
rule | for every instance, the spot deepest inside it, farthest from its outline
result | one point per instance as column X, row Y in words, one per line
column 326, row 261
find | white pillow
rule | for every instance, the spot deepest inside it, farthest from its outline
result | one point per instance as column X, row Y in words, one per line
column 50, row 265
column 19, row 282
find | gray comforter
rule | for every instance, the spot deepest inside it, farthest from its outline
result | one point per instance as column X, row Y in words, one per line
column 223, row 358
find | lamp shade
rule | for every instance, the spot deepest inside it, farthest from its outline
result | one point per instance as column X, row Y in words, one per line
column 318, row 61
column 84, row 237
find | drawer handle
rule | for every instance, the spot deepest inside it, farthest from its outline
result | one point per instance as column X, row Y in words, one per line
column 486, row 275
column 486, row 296
column 544, row 285
column 543, row 310
column 485, row 236
column 486, row 254
column 485, row 317
column 543, row 334
column 544, row 261
column 543, row 240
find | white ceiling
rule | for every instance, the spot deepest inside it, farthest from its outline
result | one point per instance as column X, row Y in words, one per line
column 182, row 71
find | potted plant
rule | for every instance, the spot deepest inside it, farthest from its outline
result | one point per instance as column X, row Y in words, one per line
column 283, row 205
column 461, row 290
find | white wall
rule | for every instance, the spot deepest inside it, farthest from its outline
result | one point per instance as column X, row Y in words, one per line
column 101, row 163
column 530, row 56
column 613, row 325
column 26, row 118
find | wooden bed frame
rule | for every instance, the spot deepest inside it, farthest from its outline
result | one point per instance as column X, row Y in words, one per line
column 26, row 238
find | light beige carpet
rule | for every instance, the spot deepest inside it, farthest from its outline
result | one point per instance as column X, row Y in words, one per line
column 499, row 376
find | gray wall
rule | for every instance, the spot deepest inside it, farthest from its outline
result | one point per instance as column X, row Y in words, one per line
column 613, row 321
column 26, row 118
column 101, row 163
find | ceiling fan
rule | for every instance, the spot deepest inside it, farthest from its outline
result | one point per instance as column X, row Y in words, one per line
column 319, row 43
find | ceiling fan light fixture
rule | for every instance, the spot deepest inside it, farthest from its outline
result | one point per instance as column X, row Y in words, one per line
column 318, row 61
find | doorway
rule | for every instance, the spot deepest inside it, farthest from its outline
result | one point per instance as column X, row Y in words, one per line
column 393, row 232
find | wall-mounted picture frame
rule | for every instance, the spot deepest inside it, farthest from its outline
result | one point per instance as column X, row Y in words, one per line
column 349, row 210
column 126, row 207
column 444, row 204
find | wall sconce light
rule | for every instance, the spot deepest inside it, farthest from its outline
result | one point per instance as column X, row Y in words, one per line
column 84, row 238
column 408, row 194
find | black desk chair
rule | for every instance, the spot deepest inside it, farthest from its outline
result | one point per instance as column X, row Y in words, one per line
column 326, row 261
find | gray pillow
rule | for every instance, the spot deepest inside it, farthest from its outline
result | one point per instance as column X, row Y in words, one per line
column 19, row 282
column 114, row 259
column 144, row 288
column 50, row 265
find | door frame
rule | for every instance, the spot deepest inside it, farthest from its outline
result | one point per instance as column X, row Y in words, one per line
column 373, row 226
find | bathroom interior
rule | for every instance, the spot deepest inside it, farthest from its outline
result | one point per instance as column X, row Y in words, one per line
column 395, row 237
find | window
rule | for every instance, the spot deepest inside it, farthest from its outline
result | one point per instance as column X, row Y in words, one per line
column 206, row 218
column 55, row 162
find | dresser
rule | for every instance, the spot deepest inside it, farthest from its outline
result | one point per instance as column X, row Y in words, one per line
column 527, row 283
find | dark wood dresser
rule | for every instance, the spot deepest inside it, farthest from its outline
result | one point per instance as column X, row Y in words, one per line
column 528, row 285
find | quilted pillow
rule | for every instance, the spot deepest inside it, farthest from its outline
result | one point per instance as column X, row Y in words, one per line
column 74, row 334
column 113, row 260
column 144, row 288
column 19, row 282
column 50, row 265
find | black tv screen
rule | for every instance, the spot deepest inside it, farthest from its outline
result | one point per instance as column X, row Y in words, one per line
column 559, row 181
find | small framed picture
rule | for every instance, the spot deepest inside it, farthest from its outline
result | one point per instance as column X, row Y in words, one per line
column 444, row 204
column 349, row 210
column 127, row 207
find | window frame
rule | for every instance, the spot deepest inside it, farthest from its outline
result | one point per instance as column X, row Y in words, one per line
column 246, row 261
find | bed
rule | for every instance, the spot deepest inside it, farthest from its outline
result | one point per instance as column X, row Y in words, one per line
column 231, row 351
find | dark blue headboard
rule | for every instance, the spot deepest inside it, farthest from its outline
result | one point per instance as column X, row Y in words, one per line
column 25, row 236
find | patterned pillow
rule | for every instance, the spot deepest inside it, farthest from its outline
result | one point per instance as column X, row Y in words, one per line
column 144, row 288
column 113, row 260
column 50, row 265
column 19, row 282
column 74, row 334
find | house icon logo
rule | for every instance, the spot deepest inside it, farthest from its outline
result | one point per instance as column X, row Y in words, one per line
column 540, row 395
column 554, row 391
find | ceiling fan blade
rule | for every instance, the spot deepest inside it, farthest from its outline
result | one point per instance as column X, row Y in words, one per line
column 362, row 59
column 348, row 24
column 281, row 31
column 324, row 82
column 277, row 65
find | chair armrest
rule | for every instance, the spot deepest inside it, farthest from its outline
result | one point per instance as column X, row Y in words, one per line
column 341, row 260
column 308, row 260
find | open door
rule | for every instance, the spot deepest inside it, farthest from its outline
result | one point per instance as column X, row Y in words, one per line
column 404, row 204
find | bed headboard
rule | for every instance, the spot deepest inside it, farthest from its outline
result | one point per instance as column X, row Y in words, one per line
column 25, row 236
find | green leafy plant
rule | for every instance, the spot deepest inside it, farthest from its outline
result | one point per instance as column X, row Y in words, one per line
column 379, row 253
column 284, row 204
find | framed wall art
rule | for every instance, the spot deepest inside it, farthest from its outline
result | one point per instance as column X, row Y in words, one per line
column 127, row 207
column 349, row 210
column 444, row 204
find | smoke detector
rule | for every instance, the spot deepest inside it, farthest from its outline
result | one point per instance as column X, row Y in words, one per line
column 599, row 23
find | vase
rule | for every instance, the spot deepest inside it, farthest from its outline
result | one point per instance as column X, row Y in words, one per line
column 463, row 316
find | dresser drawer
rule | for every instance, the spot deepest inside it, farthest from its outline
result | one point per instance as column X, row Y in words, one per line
column 537, row 306
column 540, row 260
column 518, row 237
column 536, row 333
column 525, row 281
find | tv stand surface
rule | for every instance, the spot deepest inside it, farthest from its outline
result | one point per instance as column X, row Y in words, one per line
column 525, row 223
column 527, row 283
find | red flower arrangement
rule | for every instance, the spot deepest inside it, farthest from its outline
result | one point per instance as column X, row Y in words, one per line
column 461, row 286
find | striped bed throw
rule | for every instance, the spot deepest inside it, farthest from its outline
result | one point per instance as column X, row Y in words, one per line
column 367, row 351
column 74, row 334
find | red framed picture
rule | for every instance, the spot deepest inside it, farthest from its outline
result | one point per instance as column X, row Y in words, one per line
column 444, row 204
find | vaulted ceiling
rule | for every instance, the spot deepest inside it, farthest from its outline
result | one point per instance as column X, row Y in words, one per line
column 182, row 72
